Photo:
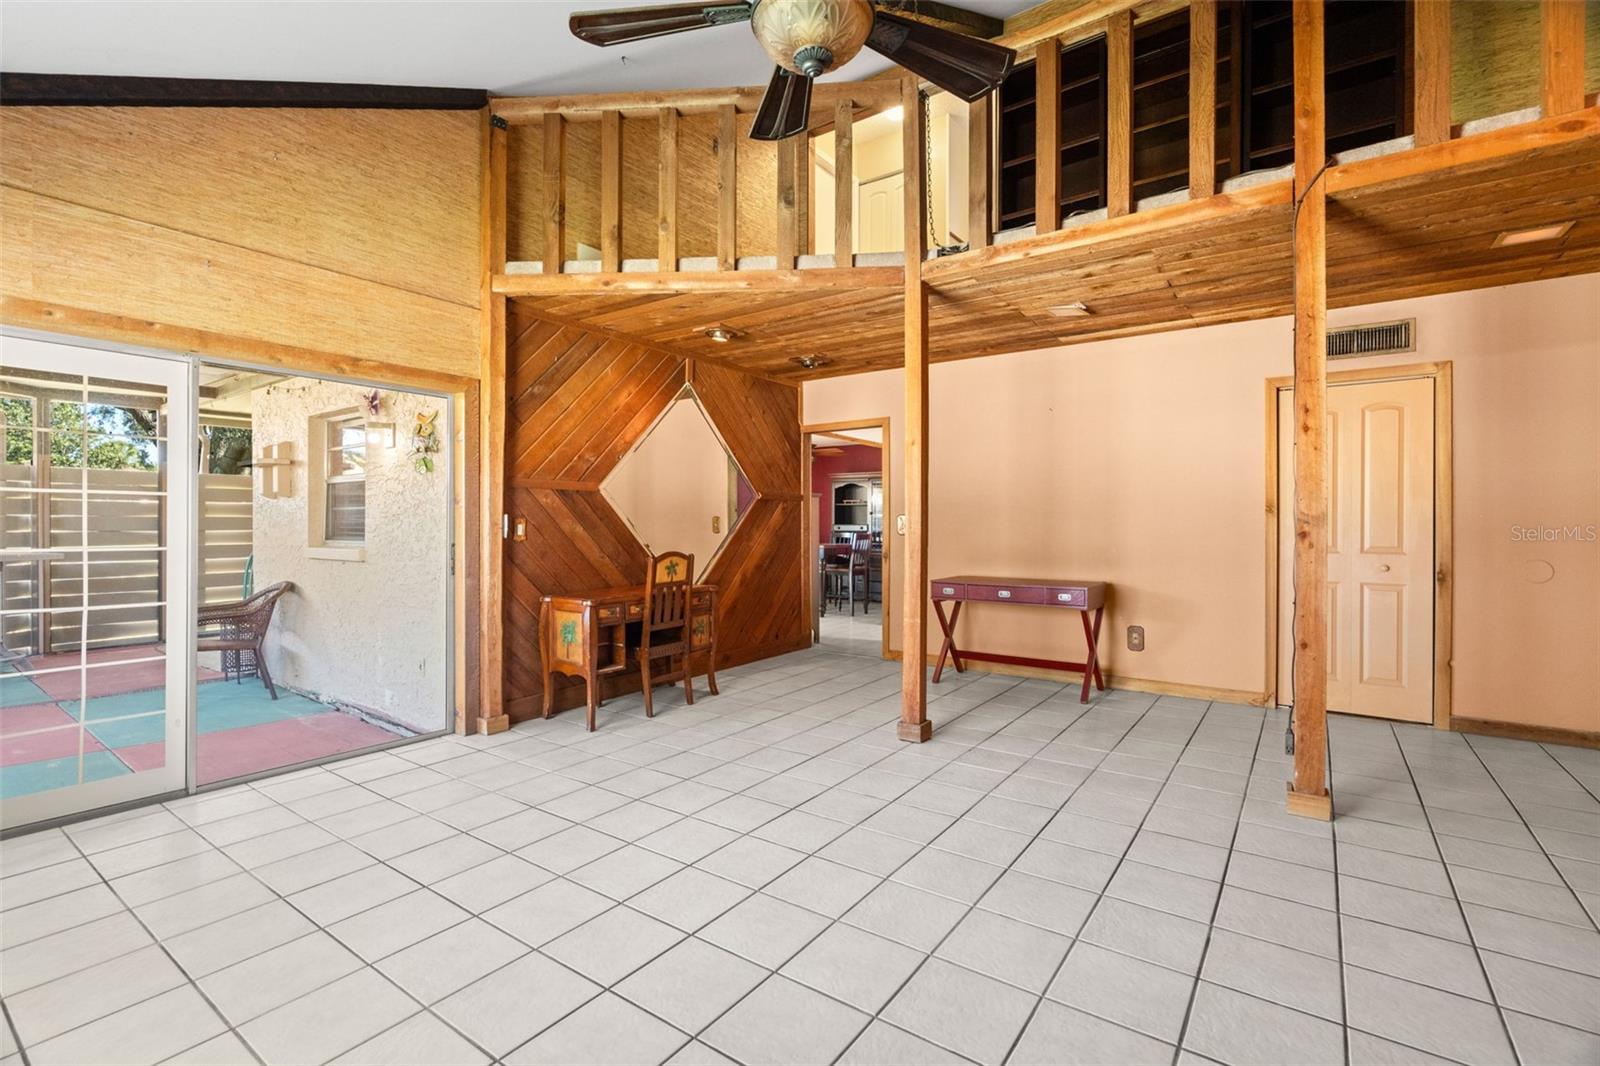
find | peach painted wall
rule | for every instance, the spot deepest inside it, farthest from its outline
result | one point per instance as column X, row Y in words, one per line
column 1142, row 462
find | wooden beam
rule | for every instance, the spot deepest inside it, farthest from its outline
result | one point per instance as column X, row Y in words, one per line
column 872, row 93
column 914, row 724
column 611, row 190
column 1202, row 99
column 788, row 224
column 844, row 185
column 979, row 160
column 667, row 192
column 818, row 280
column 1430, row 64
column 101, row 90
column 555, row 193
column 492, row 433
column 1308, row 793
column 727, row 188
column 1119, row 114
column 1047, row 138
column 1561, row 52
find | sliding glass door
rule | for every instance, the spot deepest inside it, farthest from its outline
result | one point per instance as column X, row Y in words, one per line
column 96, row 548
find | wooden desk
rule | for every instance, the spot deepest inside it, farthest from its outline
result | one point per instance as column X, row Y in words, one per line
column 1080, row 596
column 587, row 635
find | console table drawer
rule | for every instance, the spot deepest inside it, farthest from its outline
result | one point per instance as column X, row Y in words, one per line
column 1006, row 593
column 609, row 613
column 944, row 590
column 1068, row 597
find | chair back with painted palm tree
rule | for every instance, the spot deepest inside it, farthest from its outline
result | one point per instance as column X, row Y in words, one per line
column 666, row 590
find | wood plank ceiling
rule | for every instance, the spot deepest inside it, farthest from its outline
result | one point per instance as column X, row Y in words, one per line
column 1224, row 259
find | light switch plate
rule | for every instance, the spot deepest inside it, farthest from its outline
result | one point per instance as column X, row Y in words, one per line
column 1136, row 638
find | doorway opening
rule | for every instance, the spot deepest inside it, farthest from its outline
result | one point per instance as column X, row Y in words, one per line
column 846, row 566
column 1389, row 543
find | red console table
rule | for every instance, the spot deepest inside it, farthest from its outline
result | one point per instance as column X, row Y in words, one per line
column 1080, row 596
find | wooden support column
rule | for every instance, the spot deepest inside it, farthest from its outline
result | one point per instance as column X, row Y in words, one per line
column 914, row 724
column 727, row 188
column 844, row 185
column 555, row 198
column 1308, row 793
column 667, row 193
column 1430, row 63
column 1047, row 136
column 788, row 205
column 1561, row 52
column 1119, row 114
column 1202, row 99
column 611, row 191
column 492, row 432
column 978, row 159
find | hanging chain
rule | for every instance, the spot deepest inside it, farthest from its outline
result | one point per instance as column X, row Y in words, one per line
column 939, row 247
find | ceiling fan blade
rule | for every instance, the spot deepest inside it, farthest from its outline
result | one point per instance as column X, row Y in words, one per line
column 626, row 24
column 785, row 109
column 966, row 66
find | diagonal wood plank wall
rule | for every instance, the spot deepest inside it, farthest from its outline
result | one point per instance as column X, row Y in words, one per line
column 577, row 400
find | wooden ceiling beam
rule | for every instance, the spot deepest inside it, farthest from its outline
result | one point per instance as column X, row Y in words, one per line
column 700, row 281
column 517, row 110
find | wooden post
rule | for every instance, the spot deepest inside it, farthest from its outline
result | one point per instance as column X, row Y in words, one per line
column 727, row 188
column 1308, row 793
column 914, row 724
column 667, row 193
column 844, row 185
column 1430, row 84
column 788, row 208
column 611, row 191
column 1046, row 137
column 492, row 431
column 1119, row 114
column 555, row 200
column 978, row 160
column 1202, row 99
column 1561, row 51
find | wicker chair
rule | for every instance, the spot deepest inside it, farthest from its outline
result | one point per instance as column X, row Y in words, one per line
column 239, row 631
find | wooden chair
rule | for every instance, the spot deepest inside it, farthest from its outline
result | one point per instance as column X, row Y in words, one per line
column 861, row 566
column 665, row 632
column 240, row 633
column 838, row 570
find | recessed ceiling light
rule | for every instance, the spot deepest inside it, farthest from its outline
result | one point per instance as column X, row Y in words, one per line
column 1533, row 236
column 1072, row 310
column 721, row 334
column 810, row 362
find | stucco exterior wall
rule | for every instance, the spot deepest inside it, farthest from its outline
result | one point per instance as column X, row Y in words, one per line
column 371, row 634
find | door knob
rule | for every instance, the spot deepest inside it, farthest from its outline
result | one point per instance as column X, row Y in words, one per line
column 1384, row 569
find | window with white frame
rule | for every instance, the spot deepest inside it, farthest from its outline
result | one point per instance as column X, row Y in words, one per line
column 345, row 480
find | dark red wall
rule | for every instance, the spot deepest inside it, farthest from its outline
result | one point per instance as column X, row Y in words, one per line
column 855, row 459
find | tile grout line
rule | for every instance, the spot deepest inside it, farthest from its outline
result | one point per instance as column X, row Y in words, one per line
column 1472, row 938
column 1222, row 886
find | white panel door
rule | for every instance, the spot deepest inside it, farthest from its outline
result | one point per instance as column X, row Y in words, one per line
column 881, row 208
column 1380, row 548
column 97, row 505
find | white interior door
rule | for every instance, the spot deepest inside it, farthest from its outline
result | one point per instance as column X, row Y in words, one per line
column 1380, row 548
column 881, row 208
column 96, row 614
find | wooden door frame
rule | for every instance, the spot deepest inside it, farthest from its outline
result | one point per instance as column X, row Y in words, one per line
column 1443, row 521
column 809, row 551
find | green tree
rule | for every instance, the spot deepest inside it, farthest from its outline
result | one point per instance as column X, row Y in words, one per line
column 115, row 438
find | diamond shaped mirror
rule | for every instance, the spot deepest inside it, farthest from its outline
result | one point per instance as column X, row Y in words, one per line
column 680, row 488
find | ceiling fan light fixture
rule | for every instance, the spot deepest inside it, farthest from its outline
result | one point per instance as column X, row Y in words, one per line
column 811, row 37
column 721, row 334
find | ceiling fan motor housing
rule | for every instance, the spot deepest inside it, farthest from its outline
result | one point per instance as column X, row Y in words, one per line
column 811, row 37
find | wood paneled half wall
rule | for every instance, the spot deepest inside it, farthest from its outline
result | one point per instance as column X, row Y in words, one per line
column 577, row 401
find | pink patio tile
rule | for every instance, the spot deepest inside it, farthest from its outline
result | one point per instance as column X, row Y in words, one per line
column 60, row 741
column 252, row 749
column 107, row 675
column 142, row 757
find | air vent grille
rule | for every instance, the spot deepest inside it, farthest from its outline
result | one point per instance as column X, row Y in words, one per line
column 1375, row 338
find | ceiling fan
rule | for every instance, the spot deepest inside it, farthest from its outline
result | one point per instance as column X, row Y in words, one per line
column 808, row 38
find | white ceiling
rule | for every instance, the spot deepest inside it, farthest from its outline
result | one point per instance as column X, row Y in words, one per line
column 506, row 46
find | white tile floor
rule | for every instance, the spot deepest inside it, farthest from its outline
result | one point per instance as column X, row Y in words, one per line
column 769, row 876
column 858, row 634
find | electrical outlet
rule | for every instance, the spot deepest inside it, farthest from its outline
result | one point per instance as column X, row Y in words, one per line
column 1136, row 638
